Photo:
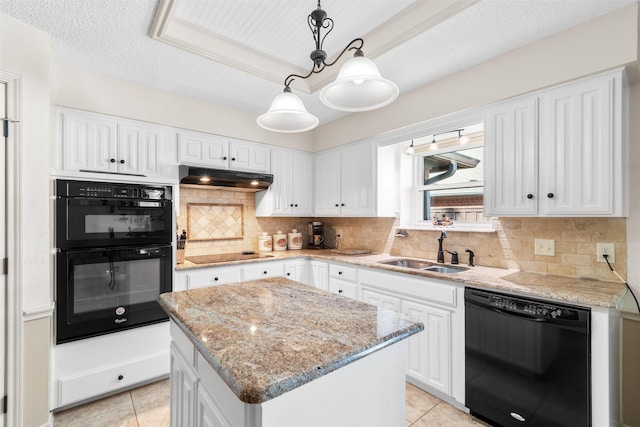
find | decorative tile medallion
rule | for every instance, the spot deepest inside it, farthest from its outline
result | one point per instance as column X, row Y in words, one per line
column 211, row 221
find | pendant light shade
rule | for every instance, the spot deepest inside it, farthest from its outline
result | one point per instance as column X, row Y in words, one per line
column 287, row 114
column 359, row 87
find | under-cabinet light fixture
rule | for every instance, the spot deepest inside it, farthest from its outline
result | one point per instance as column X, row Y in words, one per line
column 358, row 87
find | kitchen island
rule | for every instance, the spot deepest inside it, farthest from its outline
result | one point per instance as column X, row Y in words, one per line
column 277, row 352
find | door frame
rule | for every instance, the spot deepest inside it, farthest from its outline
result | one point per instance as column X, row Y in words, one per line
column 14, row 326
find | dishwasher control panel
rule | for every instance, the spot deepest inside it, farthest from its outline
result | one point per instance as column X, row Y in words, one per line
column 535, row 309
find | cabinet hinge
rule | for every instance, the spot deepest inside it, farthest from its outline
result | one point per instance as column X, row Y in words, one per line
column 5, row 266
column 4, row 404
column 5, row 125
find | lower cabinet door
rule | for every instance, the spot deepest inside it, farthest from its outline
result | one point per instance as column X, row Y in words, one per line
column 183, row 391
column 208, row 415
column 430, row 350
column 343, row 288
column 380, row 299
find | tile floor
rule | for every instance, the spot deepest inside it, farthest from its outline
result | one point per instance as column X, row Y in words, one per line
column 148, row 406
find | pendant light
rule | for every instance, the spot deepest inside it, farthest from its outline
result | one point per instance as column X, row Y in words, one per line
column 358, row 87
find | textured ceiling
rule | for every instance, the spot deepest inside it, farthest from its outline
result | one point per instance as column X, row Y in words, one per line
column 112, row 37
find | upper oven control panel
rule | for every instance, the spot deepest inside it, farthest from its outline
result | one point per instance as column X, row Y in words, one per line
column 110, row 190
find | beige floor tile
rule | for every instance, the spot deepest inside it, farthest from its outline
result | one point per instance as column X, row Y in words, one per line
column 152, row 413
column 118, row 417
column 119, row 403
column 445, row 415
column 418, row 403
column 158, row 390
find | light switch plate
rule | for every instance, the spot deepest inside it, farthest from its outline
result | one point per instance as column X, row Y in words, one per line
column 545, row 247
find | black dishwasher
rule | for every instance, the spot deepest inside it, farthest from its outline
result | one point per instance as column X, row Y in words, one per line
column 527, row 361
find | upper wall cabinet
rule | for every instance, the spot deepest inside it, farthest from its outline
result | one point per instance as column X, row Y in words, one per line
column 561, row 152
column 291, row 193
column 213, row 151
column 346, row 181
column 98, row 143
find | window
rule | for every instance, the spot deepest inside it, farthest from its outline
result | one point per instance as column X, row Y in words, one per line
column 450, row 178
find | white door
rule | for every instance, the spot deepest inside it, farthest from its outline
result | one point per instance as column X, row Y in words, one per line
column 3, row 250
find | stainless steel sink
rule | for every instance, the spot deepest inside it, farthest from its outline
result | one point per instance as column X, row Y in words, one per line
column 422, row 265
column 448, row 270
column 408, row 263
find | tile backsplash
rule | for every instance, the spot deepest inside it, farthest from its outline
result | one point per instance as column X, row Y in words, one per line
column 510, row 246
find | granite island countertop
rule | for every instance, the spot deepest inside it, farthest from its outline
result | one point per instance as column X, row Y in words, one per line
column 575, row 290
column 266, row 337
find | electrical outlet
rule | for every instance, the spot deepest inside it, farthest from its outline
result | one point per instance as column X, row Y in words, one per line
column 545, row 247
column 339, row 232
column 606, row 248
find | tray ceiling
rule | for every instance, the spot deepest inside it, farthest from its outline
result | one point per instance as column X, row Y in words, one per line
column 238, row 52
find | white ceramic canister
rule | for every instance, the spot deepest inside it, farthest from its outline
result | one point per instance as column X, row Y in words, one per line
column 294, row 239
column 265, row 243
column 279, row 241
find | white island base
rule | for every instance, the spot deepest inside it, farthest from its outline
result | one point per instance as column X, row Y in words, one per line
column 368, row 392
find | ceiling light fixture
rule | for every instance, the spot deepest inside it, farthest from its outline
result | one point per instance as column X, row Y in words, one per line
column 411, row 149
column 462, row 139
column 358, row 87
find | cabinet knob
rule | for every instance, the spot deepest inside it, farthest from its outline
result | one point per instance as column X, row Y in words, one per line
column 339, row 291
column 233, row 159
column 296, row 205
column 122, row 162
column 529, row 196
column 288, row 274
column 339, row 273
column 264, row 272
column 337, row 205
column 215, row 279
column 112, row 160
column 550, row 195
column 291, row 205
column 341, row 204
column 224, row 157
column 120, row 377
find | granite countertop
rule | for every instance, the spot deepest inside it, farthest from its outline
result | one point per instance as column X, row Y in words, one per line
column 266, row 337
column 574, row 290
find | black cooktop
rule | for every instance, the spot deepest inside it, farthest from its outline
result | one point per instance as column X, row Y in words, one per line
column 211, row 259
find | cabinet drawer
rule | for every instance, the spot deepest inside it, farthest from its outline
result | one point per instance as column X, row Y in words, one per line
column 95, row 383
column 262, row 270
column 213, row 277
column 422, row 288
column 344, row 273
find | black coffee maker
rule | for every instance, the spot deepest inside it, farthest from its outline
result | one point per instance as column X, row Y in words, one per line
column 316, row 235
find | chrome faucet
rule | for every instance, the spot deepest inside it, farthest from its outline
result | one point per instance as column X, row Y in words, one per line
column 443, row 236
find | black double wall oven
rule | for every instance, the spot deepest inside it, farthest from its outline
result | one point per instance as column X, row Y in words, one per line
column 114, row 256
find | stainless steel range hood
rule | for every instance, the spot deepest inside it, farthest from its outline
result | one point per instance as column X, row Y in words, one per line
column 225, row 179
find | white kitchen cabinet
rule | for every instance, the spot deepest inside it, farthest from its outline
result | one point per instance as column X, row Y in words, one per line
column 559, row 152
column 213, row 276
column 298, row 270
column 345, row 181
column 217, row 152
column 380, row 299
column 581, row 167
column 511, row 153
column 320, row 275
column 291, row 193
column 436, row 359
column 429, row 352
column 97, row 366
column 343, row 280
column 262, row 270
column 202, row 149
column 183, row 392
column 98, row 143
